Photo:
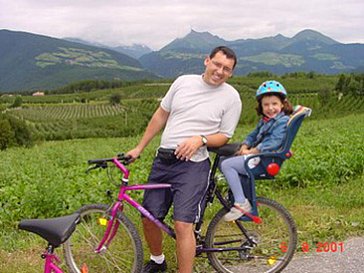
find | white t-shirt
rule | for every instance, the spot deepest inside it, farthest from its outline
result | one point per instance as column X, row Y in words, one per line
column 197, row 108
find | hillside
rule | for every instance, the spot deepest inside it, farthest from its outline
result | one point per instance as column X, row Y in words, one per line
column 30, row 62
column 307, row 51
column 134, row 51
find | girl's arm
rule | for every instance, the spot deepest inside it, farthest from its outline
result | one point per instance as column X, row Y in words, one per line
column 250, row 139
column 274, row 140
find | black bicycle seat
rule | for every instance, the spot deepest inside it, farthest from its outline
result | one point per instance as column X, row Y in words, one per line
column 54, row 230
column 227, row 149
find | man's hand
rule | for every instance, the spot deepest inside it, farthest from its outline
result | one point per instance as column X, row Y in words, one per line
column 134, row 154
column 188, row 148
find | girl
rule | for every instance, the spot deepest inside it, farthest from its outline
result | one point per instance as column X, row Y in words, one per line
column 268, row 136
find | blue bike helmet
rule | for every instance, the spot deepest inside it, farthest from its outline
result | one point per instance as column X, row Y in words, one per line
column 271, row 87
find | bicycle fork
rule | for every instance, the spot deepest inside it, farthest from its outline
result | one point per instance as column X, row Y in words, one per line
column 111, row 229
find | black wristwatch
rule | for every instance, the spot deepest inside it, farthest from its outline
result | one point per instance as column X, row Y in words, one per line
column 204, row 140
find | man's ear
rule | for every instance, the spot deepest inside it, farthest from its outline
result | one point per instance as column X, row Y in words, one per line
column 207, row 60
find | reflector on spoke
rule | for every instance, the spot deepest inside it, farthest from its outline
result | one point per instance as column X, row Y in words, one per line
column 102, row 221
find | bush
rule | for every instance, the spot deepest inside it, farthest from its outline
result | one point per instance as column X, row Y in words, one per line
column 6, row 133
column 14, row 132
column 22, row 134
column 17, row 102
column 324, row 96
column 115, row 99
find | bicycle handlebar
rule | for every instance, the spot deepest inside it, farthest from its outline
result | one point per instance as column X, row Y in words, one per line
column 102, row 162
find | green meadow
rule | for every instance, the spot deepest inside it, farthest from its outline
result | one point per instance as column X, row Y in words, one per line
column 321, row 185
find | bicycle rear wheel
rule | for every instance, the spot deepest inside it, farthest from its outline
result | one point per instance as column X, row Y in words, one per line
column 272, row 244
column 124, row 254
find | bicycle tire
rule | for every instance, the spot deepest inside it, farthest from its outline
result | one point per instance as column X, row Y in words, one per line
column 275, row 238
column 124, row 254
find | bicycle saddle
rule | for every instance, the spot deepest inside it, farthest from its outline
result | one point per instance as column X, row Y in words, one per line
column 54, row 230
column 227, row 149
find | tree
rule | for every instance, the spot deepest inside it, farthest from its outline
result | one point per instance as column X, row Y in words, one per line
column 115, row 99
column 340, row 85
column 311, row 75
column 14, row 132
column 324, row 96
column 350, row 84
column 6, row 133
column 22, row 134
column 17, row 102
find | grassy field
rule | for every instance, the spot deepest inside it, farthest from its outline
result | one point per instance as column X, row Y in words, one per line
column 322, row 215
column 321, row 186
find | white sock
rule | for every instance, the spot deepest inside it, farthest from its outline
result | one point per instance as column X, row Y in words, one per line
column 158, row 259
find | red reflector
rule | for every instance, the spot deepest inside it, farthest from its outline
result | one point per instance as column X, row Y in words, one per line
column 273, row 169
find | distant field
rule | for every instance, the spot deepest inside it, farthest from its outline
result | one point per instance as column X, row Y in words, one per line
column 90, row 114
column 101, row 119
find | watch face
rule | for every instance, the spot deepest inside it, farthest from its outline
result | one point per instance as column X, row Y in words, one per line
column 204, row 140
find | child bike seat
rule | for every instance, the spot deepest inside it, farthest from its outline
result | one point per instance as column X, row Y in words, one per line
column 271, row 162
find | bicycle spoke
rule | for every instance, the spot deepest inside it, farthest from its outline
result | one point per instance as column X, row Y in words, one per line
column 123, row 254
column 263, row 252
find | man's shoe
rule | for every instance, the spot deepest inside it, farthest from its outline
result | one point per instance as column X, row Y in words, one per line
column 153, row 267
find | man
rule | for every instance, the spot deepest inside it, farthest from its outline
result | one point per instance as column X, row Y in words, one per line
column 197, row 111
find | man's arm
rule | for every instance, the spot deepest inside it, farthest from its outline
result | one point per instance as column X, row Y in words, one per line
column 155, row 124
column 188, row 148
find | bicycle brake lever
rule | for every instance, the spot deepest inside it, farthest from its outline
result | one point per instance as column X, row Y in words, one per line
column 96, row 166
column 89, row 169
column 126, row 159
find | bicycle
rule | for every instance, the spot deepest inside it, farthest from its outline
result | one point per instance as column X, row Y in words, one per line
column 230, row 247
column 105, row 240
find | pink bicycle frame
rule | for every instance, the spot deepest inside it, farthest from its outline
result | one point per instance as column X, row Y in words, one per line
column 50, row 263
column 112, row 225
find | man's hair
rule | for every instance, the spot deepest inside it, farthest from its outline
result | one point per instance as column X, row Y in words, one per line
column 229, row 53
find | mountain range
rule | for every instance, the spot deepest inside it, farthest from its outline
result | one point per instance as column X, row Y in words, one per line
column 30, row 61
column 307, row 51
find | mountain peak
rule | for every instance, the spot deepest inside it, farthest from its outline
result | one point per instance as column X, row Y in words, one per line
column 195, row 40
column 309, row 34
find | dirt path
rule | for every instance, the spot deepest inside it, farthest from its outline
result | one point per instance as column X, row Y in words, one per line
column 350, row 260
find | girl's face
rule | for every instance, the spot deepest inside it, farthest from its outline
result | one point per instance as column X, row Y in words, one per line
column 271, row 105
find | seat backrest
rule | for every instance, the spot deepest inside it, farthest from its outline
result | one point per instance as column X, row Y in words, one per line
column 293, row 124
column 270, row 163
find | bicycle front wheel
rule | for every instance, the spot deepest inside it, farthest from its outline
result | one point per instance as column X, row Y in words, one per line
column 270, row 246
column 124, row 254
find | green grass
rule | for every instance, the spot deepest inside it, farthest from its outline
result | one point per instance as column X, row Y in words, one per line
column 321, row 185
column 326, row 213
column 329, row 214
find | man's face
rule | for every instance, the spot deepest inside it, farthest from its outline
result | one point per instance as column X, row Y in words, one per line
column 218, row 69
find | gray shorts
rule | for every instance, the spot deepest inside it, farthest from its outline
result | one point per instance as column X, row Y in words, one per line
column 189, row 181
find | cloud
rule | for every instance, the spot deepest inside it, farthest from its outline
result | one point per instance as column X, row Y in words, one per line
column 156, row 23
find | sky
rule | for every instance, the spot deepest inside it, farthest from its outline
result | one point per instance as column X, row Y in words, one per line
column 156, row 23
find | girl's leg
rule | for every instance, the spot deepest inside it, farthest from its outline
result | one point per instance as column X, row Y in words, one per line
column 231, row 168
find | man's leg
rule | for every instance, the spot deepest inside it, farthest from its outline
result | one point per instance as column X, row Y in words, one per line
column 153, row 236
column 186, row 246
